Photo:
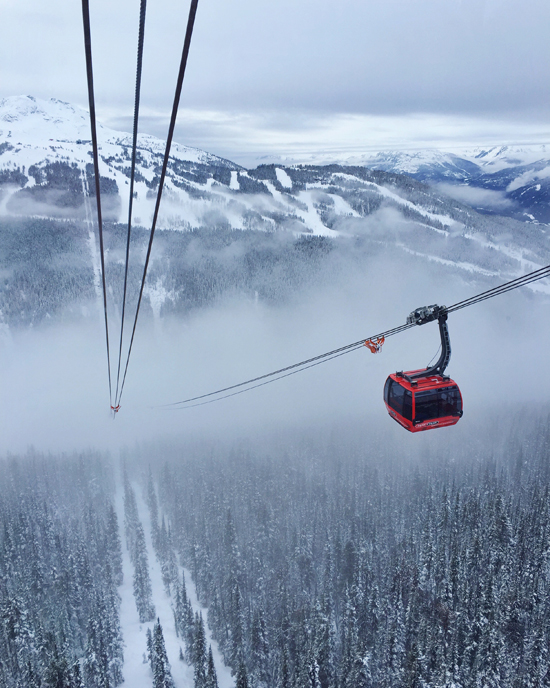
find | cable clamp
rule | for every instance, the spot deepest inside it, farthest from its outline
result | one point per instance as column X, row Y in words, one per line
column 115, row 409
column 426, row 314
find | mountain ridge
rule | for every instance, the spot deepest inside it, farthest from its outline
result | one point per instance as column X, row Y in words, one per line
column 520, row 175
column 223, row 227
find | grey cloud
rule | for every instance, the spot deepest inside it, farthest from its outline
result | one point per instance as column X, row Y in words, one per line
column 353, row 56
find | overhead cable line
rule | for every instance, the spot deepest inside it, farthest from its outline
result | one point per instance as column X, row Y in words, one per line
column 266, row 382
column 534, row 276
column 143, row 7
column 181, row 74
column 302, row 365
column 91, row 100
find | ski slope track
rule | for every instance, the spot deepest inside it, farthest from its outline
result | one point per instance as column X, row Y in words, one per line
column 136, row 670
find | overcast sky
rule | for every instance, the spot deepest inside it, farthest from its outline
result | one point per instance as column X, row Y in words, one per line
column 295, row 76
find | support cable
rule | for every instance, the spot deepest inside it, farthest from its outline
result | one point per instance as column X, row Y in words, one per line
column 181, row 74
column 91, row 100
column 534, row 276
column 261, row 384
column 302, row 365
column 143, row 8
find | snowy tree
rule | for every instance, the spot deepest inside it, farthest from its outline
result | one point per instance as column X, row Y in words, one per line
column 211, row 677
column 242, row 676
column 143, row 592
column 199, row 653
column 162, row 675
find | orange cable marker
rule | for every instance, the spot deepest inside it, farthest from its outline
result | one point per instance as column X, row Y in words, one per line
column 375, row 345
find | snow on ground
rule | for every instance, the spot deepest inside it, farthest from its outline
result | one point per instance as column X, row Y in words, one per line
column 469, row 267
column 310, row 217
column 384, row 191
column 137, row 674
column 283, row 178
column 234, row 184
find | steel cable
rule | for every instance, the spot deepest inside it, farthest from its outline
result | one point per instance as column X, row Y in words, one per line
column 181, row 74
column 143, row 8
column 261, row 384
column 302, row 365
column 534, row 276
column 95, row 155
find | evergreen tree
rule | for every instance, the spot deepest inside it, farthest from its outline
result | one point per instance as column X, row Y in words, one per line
column 259, row 650
column 242, row 676
column 199, row 653
column 149, row 637
column 143, row 592
column 114, row 547
column 152, row 503
column 162, row 676
column 211, row 677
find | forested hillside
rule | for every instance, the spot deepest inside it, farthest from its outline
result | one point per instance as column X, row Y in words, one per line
column 341, row 564
column 50, row 269
column 336, row 559
column 60, row 566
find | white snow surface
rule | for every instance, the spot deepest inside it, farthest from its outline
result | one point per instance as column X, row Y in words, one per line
column 136, row 672
column 283, row 178
column 40, row 132
column 53, row 127
column 234, row 184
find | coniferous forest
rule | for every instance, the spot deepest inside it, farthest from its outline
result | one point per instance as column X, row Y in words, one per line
column 60, row 566
column 336, row 559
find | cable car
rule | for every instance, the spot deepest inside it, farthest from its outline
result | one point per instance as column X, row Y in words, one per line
column 425, row 399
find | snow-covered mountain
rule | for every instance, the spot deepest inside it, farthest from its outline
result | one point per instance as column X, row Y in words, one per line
column 45, row 170
column 45, row 165
column 231, row 217
column 507, row 180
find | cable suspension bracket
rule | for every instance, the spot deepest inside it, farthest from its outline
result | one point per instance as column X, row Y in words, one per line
column 424, row 315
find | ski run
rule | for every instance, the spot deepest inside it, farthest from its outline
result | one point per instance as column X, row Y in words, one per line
column 137, row 670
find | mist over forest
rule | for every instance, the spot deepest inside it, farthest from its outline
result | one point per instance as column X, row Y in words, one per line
column 341, row 556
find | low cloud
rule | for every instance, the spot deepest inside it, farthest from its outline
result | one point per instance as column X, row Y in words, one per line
column 54, row 391
column 255, row 136
column 528, row 177
column 477, row 198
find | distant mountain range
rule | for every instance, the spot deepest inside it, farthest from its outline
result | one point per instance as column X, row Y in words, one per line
column 220, row 221
column 506, row 180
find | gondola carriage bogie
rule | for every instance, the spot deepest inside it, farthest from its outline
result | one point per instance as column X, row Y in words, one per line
column 427, row 398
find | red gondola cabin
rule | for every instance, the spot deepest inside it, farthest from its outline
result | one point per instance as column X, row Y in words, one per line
column 425, row 399
column 424, row 403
